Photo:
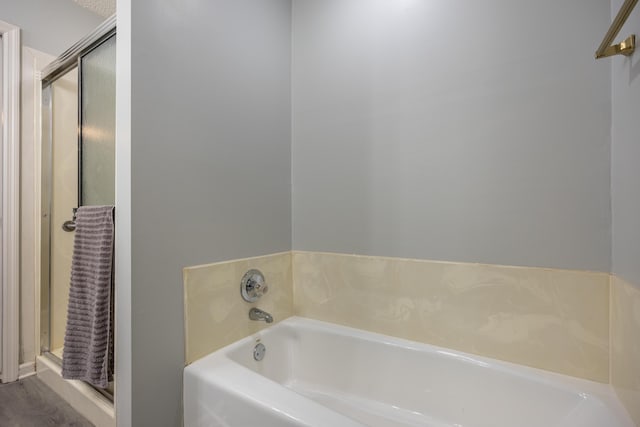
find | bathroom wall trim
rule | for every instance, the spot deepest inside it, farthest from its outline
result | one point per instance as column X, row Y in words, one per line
column 10, row 202
column 122, row 263
column 26, row 370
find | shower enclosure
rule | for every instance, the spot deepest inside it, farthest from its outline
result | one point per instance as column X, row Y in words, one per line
column 78, row 165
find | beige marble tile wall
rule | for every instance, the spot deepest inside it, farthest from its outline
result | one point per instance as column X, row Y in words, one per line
column 215, row 313
column 546, row 318
column 556, row 320
column 625, row 344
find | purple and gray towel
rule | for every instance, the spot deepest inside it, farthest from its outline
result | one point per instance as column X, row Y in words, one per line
column 88, row 341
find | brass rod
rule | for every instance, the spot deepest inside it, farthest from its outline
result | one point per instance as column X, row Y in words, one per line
column 614, row 29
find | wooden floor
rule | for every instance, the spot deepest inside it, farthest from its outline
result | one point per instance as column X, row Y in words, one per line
column 29, row 402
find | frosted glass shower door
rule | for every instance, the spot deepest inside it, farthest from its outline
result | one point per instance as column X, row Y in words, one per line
column 79, row 120
column 98, row 125
column 63, row 95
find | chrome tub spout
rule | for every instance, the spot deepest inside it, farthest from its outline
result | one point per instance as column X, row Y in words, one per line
column 257, row 314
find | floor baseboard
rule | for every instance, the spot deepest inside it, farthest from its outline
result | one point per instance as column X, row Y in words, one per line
column 26, row 370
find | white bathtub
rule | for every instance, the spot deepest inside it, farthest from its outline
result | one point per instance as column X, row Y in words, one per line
column 325, row 375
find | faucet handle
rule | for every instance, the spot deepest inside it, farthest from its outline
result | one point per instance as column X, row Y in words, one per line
column 253, row 285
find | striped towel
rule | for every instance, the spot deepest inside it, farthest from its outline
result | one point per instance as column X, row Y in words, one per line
column 88, row 340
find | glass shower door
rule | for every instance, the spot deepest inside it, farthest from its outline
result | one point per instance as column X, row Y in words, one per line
column 64, row 197
column 98, row 125
column 78, row 170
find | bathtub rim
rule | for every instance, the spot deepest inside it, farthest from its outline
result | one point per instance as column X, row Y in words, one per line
column 586, row 389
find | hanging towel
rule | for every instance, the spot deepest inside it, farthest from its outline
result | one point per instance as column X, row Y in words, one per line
column 88, row 340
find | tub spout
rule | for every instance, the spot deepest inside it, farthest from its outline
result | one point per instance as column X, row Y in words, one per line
column 257, row 314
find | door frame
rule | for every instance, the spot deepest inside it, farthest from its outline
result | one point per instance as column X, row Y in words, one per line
column 10, row 276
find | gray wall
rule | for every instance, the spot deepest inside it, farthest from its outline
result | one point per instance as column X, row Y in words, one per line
column 50, row 26
column 211, row 177
column 465, row 131
column 625, row 156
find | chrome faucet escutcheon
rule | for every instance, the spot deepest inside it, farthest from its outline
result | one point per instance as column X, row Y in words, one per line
column 257, row 314
column 253, row 286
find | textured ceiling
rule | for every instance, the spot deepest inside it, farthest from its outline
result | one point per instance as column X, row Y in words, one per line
column 105, row 8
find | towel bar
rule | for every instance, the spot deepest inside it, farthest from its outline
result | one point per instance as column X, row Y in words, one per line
column 628, row 45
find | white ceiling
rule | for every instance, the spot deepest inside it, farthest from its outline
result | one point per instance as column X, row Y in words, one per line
column 105, row 8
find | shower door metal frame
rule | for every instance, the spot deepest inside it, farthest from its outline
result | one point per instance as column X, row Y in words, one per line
column 69, row 60
column 10, row 221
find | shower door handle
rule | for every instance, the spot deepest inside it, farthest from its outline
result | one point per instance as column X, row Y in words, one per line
column 70, row 225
